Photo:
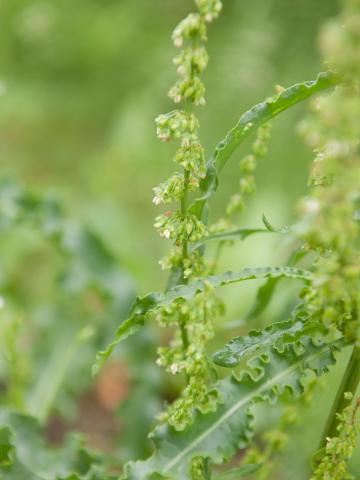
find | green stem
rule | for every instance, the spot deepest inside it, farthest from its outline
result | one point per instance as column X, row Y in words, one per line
column 184, row 207
column 43, row 396
column 349, row 383
column 184, row 336
column 216, row 258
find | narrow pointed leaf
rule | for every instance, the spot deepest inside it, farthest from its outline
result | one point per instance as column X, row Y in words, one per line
column 238, row 234
column 253, row 119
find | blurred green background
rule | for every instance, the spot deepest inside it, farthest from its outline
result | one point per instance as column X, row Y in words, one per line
column 80, row 85
column 82, row 82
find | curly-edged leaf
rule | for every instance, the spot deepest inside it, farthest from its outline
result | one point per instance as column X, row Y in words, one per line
column 275, row 335
column 253, row 119
column 239, row 472
column 218, row 435
column 146, row 305
column 31, row 459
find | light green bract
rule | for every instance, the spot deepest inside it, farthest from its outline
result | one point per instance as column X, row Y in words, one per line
column 146, row 305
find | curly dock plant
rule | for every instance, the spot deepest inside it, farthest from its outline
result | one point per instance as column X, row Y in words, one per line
column 211, row 420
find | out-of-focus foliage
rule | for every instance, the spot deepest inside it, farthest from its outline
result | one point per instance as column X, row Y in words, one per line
column 80, row 85
column 28, row 457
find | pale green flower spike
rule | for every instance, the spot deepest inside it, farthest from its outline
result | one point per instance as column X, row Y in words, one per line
column 194, row 318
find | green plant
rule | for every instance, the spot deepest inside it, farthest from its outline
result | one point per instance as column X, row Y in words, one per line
column 212, row 418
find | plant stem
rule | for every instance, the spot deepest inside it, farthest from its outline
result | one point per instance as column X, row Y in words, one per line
column 184, row 336
column 216, row 259
column 349, row 383
column 184, row 206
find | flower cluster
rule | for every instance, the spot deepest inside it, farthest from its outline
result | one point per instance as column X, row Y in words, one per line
column 198, row 469
column 272, row 443
column 172, row 190
column 192, row 266
column 339, row 450
column 193, row 27
column 247, row 166
column 178, row 226
column 210, row 9
column 197, row 317
column 329, row 226
column 192, row 319
column 177, row 124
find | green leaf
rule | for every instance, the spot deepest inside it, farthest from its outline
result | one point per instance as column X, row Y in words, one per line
column 250, row 121
column 41, row 398
column 31, row 459
column 146, row 305
column 86, row 265
column 266, row 291
column 87, row 260
column 218, row 435
column 238, row 234
column 6, row 447
column 275, row 335
column 263, row 296
column 271, row 228
column 239, row 472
